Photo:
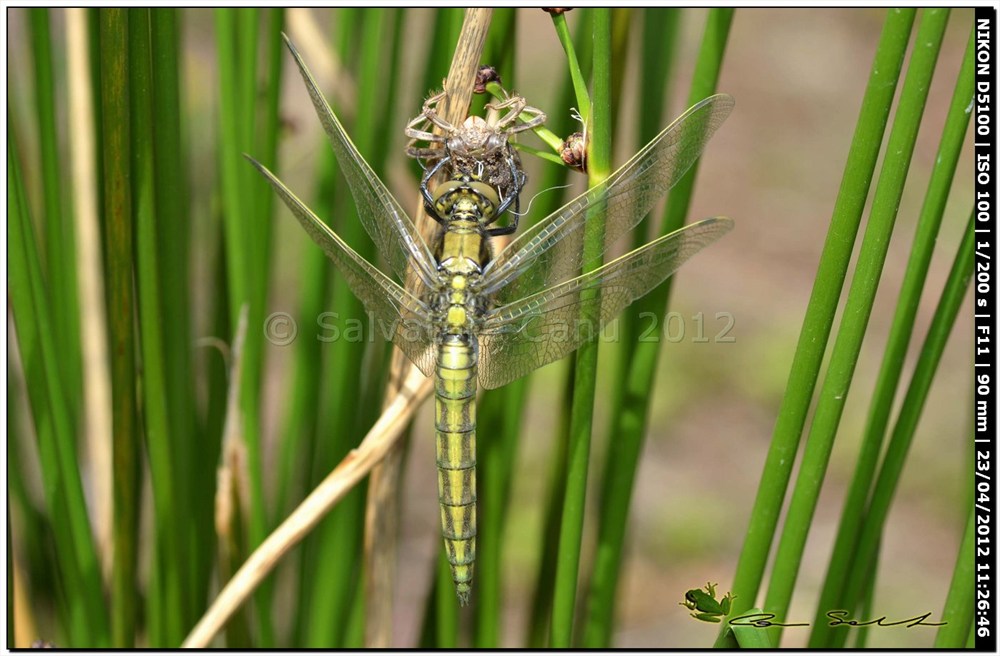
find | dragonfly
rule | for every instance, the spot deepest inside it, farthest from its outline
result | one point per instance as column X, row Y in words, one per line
column 471, row 318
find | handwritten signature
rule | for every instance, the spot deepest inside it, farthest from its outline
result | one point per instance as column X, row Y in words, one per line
column 837, row 618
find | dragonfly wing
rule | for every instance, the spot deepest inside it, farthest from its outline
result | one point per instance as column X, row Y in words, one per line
column 394, row 234
column 399, row 315
column 552, row 250
column 521, row 336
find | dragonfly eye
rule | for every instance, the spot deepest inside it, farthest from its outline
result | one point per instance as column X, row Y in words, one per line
column 487, row 193
column 443, row 195
column 496, row 141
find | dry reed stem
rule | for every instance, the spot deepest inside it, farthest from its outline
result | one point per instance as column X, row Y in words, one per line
column 382, row 504
column 232, row 490
column 90, row 281
column 311, row 42
column 304, row 518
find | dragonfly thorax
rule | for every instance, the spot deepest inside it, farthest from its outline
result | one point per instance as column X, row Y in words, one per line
column 463, row 249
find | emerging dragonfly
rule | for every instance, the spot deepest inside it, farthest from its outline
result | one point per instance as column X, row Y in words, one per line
column 480, row 147
column 475, row 320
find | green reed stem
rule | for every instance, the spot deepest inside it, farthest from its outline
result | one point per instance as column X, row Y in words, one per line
column 909, row 414
column 866, row 606
column 11, row 628
column 118, row 234
column 501, row 409
column 247, row 233
column 900, row 333
column 58, row 286
column 659, row 42
column 236, row 252
column 860, row 299
column 80, row 580
column 585, row 379
column 561, row 123
column 660, row 28
column 446, row 624
column 821, row 309
column 631, row 416
column 621, row 38
column 334, row 580
column 959, row 607
column 575, row 72
column 60, row 241
column 314, row 452
column 173, row 246
column 168, row 557
column 332, row 200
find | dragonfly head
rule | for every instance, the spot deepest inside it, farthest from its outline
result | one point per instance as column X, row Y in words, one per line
column 465, row 198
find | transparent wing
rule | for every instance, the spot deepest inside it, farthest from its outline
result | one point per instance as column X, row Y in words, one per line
column 521, row 336
column 394, row 234
column 552, row 250
column 399, row 315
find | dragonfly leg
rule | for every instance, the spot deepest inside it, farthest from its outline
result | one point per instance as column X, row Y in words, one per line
column 537, row 118
column 515, row 103
column 432, row 102
column 422, row 135
column 426, row 193
column 519, row 108
column 420, row 128
column 505, row 230
column 423, row 153
column 512, row 227
column 431, row 115
column 520, row 179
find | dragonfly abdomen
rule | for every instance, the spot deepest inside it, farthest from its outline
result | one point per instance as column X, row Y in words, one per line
column 455, row 424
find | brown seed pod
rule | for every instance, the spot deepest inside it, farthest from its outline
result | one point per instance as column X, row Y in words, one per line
column 574, row 152
column 484, row 76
